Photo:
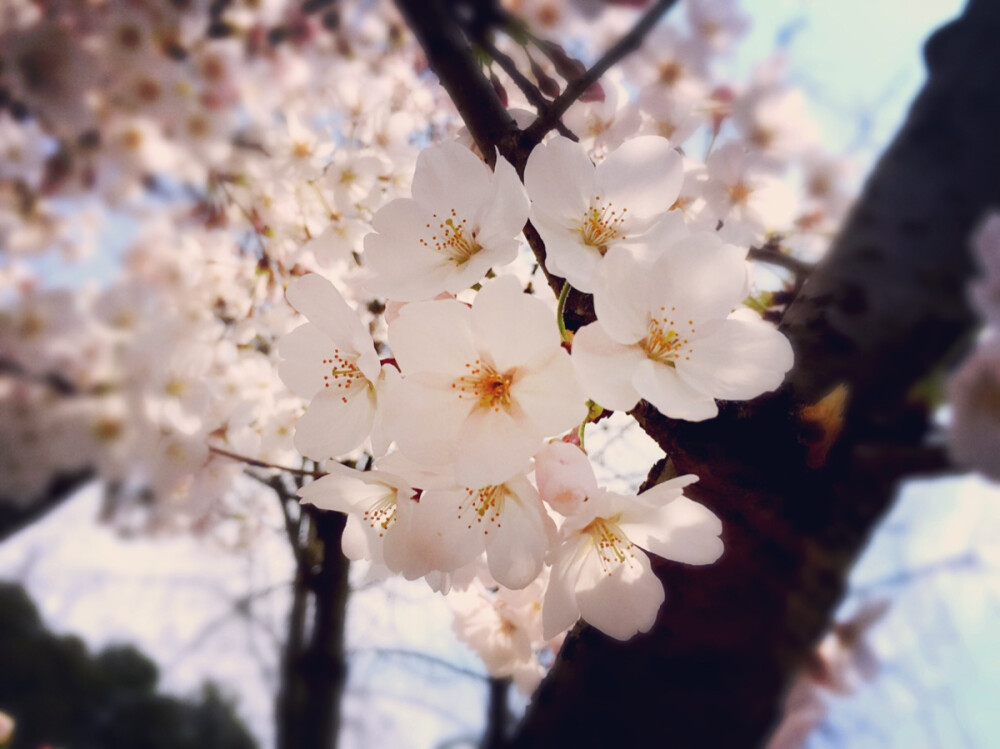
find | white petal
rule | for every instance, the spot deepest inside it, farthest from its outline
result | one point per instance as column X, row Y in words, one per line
column 507, row 210
column 322, row 304
column 424, row 416
column 626, row 601
column 335, row 422
column 493, row 445
column 551, row 396
column 515, row 553
column 620, row 298
column 516, row 329
column 429, row 538
column 559, row 608
column 606, row 367
column 742, row 359
column 303, row 351
column 672, row 396
column 684, row 531
column 560, row 180
column 567, row 256
column 700, row 277
column 448, row 176
column 434, row 336
column 643, row 175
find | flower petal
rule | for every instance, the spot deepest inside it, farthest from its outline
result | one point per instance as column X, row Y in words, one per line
column 644, row 175
column 742, row 359
column 336, row 422
column 607, row 368
column 672, row 396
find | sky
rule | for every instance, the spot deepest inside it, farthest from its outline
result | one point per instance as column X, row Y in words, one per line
column 935, row 556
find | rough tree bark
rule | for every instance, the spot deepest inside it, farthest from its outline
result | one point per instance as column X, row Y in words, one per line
column 882, row 310
column 313, row 664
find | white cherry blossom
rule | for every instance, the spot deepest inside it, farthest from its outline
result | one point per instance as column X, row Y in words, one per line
column 669, row 333
column 482, row 386
column 462, row 220
column 451, row 526
column 332, row 361
column 582, row 211
column 372, row 501
column 601, row 572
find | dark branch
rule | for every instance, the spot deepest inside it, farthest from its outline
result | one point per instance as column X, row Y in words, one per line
column 575, row 89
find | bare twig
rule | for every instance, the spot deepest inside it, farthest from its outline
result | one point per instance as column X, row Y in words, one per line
column 264, row 464
column 531, row 92
column 773, row 256
column 575, row 89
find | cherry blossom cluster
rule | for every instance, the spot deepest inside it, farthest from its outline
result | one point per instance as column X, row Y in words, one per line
column 239, row 153
column 467, row 406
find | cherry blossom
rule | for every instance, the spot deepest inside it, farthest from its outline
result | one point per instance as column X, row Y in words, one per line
column 583, row 211
column 372, row 501
column 451, row 526
column 332, row 361
column 482, row 386
column 671, row 333
column 600, row 572
column 462, row 220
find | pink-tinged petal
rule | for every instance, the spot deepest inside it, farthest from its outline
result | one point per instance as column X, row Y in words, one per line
column 564, row 476
column 551, row 395
column 559, row 608
column 304, row 351
column 620, row 297
column 425, row 537
column 700, row 278
column 672, row 396
column 493, row 445
column 624, row 602
column 516, row 329
column 449, row 176
column 424, row 416
column 515, row 552
column 336, row 422
column 560, row 179
column 434, row 336
column 744, row 358
column 682, row 531
column 322, row 304
column 607, row 368
column 643, row 175
column 507, row 210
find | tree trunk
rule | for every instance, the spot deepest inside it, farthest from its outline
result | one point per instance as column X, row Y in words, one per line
column 884, row 307
column 314, row 667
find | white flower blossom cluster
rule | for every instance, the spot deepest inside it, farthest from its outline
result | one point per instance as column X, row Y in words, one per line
column 219, row 157
column 471, row 395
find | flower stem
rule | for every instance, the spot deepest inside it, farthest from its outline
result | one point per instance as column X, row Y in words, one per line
column 560, row 313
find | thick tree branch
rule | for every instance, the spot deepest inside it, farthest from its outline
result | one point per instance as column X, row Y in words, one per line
column 882, row 310
column 451, row 58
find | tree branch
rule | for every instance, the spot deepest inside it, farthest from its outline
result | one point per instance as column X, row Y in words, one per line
column 575, row 89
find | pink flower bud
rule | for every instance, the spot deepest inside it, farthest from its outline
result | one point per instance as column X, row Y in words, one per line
column 564, row 476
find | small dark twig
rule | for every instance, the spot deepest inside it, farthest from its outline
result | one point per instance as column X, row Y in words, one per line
column 264, row 464
column 575, row 89
column 773, row 256
column 530, row 91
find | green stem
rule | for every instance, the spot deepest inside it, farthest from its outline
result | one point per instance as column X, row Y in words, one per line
column 560, row 310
